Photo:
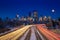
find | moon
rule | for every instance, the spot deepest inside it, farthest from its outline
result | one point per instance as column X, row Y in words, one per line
column 53, row 10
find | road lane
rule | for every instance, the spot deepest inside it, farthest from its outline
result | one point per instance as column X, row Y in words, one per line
column 39, row 35
column 33, row 36
column 45, row 34
column 49, row 35
column 25, row 35
column 57, row 35
column 16, row 34
column 28, row 35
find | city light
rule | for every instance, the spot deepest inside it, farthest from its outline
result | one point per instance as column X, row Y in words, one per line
column 53, row 10
column 29, row 20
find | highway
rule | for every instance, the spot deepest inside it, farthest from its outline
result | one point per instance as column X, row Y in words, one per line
column 31, row 32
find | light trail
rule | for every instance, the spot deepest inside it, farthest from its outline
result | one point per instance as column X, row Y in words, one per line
column 54, row 33
column 16, row 34
column 25, row 35
column 33, row 36
column 40, row 35
column 47, row 33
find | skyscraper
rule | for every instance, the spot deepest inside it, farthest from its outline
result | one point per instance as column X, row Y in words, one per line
column 35, row 16
column 40, row 19
column 49, row 18
column 45, row 18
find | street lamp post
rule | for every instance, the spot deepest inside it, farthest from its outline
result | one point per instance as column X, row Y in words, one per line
column 53, row 12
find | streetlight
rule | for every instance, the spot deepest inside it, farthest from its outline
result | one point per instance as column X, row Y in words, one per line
column 53, row 10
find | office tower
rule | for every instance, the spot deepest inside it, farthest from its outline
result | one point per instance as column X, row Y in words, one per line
column 40, row 19
column 35, row 15
column 49, row 18
column 45, row 18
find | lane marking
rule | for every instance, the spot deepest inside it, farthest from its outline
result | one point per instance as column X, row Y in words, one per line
column 33, row 36
column 40, row 34
column 25, row 35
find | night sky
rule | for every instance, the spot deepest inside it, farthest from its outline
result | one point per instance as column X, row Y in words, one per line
column 9, row 8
